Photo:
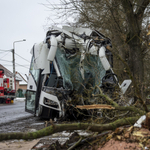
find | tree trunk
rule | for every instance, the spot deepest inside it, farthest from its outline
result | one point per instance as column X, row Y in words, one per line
column 69, row 127
column 134, row 19
column 135, row 58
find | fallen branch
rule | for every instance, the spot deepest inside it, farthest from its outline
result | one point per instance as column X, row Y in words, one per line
column 74, row 126
column 131, row 108
column 76, row 144
column 116, row 116
column 89, row 139
column 107, row 98
column 104, row 106
column 95, row 106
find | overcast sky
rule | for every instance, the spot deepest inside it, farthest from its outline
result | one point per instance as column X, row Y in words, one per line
column 22, row 19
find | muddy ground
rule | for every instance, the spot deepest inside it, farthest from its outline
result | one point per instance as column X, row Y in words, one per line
column 23, row 125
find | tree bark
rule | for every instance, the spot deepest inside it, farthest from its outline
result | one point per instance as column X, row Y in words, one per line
column 69, row 127
column 134, row 19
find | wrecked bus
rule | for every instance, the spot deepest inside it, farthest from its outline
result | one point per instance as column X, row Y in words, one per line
column 67, row 68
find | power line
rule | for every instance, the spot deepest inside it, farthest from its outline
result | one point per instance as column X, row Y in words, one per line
column 5, row 60
column 11, row 62
column 5, row 50
column 2, row 52
column 16, row 65
column 21, row 65
column 4, row 55
column 21, row 73
column 6, row 65
column 25, row 65
column 23, row 58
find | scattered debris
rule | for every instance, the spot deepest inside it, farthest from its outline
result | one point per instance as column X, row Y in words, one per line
column 102, row 106
column 53, row 143
column 125, row 137
column 130, row 138
column 140, row 121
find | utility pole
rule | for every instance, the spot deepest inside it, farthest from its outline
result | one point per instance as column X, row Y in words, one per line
column 13, row 55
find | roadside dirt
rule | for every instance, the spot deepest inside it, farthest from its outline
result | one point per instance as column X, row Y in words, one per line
column 23, row 125
column 17, row 144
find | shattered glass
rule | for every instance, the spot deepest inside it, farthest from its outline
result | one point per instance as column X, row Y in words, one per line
column 30, row 100
column 70, row 70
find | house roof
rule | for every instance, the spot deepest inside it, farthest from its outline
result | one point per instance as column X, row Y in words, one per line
column 8, row 73
column 22, row 83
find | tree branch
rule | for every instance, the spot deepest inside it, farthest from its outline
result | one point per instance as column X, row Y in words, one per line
column 127, row 5
column 131, row 19
column 141, row 6
column 70, row 127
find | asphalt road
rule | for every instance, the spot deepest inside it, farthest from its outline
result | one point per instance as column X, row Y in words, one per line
column 12, row 112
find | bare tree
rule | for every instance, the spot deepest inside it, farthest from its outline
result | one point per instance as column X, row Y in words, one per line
column 124, row 21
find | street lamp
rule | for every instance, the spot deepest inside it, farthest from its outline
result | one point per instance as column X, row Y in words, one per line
column 13, row 55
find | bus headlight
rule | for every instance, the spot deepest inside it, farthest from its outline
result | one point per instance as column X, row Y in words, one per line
column 50, row 102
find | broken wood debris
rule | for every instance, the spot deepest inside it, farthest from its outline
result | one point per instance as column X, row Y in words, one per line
column 132, row 135
column 138, row 133
column 98, row 106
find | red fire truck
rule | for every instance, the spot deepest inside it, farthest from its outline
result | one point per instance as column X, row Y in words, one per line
column 7, row 88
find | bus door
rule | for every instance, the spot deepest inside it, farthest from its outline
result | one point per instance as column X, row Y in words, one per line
column 33, row 78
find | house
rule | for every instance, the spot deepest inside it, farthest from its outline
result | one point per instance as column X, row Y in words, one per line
column 22, row 83
column 22, row 89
